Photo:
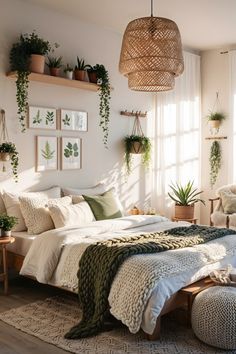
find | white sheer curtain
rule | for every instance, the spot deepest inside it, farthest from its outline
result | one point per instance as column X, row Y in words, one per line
column 176, row 135
column 232, row 122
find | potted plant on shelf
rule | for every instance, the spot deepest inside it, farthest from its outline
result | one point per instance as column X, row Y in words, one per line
column 136, row 144
column 23, row 54
column 92, row 74
column 215, row 119
column 69, row 72
column 6, row 224
column 8, row 152
column 54, row 64
column 80, row 70
column 185, row 197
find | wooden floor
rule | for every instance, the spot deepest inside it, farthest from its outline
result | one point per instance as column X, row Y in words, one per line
column 23, row 291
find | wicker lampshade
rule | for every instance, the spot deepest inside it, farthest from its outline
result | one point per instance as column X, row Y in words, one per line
column 151, row 54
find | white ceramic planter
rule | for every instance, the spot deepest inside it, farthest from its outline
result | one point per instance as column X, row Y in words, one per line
column 69, row 75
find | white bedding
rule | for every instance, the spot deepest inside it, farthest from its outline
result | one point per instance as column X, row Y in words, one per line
column 22, row 243
column 54, row 256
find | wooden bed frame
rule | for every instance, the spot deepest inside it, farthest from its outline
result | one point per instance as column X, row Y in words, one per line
column 183, row 297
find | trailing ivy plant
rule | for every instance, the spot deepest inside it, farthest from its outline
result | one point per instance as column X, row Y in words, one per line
column 105, row 96
column 144, row 149
column 19, row 61
column 10, row 149
column 215, row 162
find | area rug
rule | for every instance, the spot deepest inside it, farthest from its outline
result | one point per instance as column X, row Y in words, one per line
column 50, row 319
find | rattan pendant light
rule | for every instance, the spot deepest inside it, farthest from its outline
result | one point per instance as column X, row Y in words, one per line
column 151, row 54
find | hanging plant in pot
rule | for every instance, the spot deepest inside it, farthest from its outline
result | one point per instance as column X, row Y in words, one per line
column 8, row 152
column 54, row 64
column 185, row 197
column 215, row 119
column 22, row 60
column 137, row 144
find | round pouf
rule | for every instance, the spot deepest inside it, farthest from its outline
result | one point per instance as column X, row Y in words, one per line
column 214, row 317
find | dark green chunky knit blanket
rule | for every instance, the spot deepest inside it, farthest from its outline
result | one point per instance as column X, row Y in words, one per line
column 100, row 262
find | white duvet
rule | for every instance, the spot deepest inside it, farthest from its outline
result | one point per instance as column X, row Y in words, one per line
column 54, row 257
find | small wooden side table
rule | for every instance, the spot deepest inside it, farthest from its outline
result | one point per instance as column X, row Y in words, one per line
column 4, row 241
column 192, row 221
column 193, row 289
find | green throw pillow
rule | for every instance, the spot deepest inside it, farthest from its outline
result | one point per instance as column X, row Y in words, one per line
column 104, row 206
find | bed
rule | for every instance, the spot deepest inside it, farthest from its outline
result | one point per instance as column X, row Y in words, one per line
column 53, row 257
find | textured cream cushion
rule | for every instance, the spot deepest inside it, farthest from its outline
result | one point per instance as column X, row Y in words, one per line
column 228, row 202
column 98, row 189
column 36, row 213
column 12, row 203
column 70, row 215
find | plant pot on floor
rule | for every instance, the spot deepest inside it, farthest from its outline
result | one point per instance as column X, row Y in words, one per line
column 136, row 148
column 37, row 63
column 214, row 124
column 54, row 71
column 80, row 75
column 184, row 211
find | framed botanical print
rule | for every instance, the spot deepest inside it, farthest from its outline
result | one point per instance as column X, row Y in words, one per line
column 46, row 153
column 42, row 118
column 74, row 120
column 70, row 153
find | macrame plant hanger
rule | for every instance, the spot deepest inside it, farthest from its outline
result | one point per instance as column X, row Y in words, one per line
column 137, row 130
column 4, row 156
column 215, row 108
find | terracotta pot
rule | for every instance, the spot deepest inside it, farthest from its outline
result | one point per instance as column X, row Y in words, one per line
column 37, row 63
column 92, row 77
column 80, row 75
column 136, row 148
column 5, row 156
column 69, row 75
column 184, row 212
column 214, row 124
column 54, row 71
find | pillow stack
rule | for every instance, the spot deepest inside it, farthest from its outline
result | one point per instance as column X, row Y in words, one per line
column 42, row 211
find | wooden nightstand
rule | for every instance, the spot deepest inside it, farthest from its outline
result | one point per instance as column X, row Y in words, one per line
column 4, row 241
column 193, row 221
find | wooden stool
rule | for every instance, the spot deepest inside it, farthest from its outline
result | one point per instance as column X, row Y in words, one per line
column 4, row 241
column 192, row 221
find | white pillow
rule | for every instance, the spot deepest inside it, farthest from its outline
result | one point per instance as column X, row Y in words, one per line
column 12, row 203
column 70, row 215
column 98, row 189
column 36, row 213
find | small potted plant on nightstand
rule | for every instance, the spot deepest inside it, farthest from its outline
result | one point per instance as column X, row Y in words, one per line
column 69, row 72
column 54, row 64
column 6, row 224
column 80, row 70
column 185, row 198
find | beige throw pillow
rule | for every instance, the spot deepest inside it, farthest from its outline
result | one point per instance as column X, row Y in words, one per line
column 98, row 189
column 12, row 203
column 228, row 202
column 70, row 215
column 36, row 213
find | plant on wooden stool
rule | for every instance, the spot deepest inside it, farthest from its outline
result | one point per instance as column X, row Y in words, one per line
column 184, row 196
column 7, row 223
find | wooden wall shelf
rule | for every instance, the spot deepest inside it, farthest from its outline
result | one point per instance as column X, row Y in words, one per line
column 216, row 138
column 60, row 81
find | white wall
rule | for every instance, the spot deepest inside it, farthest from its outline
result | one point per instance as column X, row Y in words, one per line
column 214, row 77
column 96, row 45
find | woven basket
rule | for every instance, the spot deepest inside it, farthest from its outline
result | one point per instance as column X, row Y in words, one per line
column 151, row 54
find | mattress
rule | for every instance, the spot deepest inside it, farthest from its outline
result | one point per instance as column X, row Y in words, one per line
column 22, row 243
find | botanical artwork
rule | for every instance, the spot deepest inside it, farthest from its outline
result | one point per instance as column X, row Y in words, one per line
column 42, row 118
column 74, row 120
column 46, row 153
column 71, row 153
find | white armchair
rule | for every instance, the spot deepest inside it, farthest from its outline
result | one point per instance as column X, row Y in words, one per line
column 223, row 214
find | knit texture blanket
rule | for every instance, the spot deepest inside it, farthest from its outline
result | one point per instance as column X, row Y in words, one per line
column 101, row 261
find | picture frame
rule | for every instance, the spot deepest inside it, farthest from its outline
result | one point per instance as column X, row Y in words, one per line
column 46, row 153
column 70, row 153
column 42, row 118
column 72, row 120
